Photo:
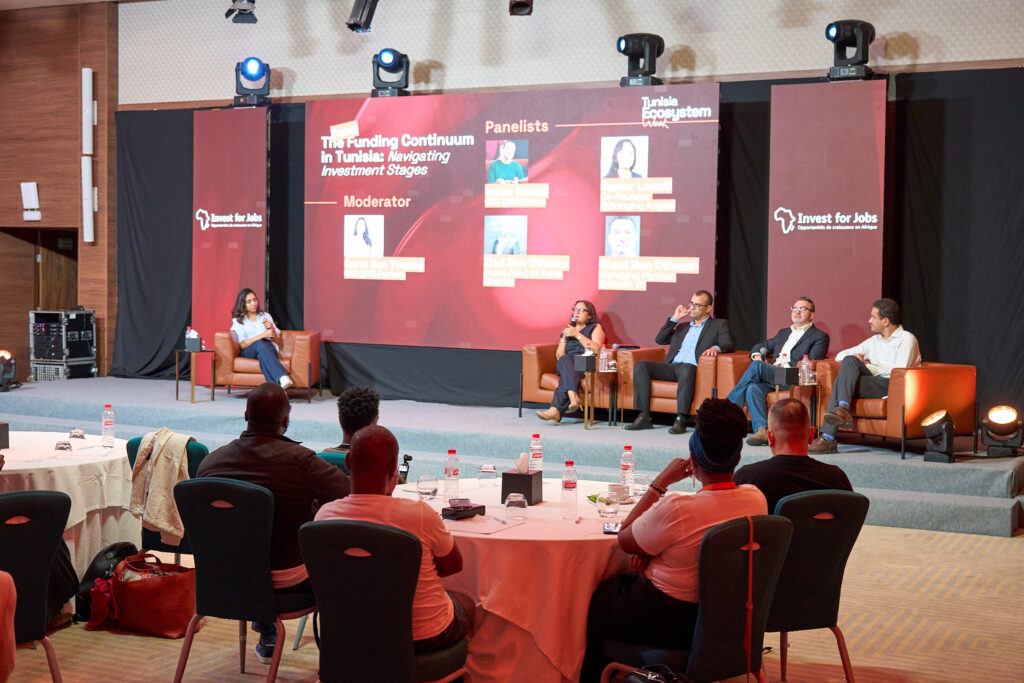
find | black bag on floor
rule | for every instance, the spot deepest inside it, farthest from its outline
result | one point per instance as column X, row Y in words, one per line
column 101, row 567
column 656, row 673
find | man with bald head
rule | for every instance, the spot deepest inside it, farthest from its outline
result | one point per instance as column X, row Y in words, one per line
column 790, row 470
column 438, row 621
column 263, row 455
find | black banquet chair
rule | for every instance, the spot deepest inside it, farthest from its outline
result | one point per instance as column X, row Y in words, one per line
column 717, row 651
column 31, row 526
column 229, row 523
column 826, row 525
column 364, row 576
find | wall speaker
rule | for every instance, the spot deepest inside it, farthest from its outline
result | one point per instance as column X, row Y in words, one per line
column 87, row 111
column 30, row 202
column 88, row 225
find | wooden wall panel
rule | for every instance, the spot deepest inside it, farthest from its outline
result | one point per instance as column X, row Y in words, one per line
column 58, row 270
column 18, row 268
column 97, row 279
column 40, row 121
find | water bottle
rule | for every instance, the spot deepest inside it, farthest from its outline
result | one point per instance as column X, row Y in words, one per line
column 107, row 438
column 451, row 476
column 806, row 368
column 627, row 464
column 536, row 455
column 602, row 363
column 569, row 480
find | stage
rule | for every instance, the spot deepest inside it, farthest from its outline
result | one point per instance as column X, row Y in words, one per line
column 973, row 495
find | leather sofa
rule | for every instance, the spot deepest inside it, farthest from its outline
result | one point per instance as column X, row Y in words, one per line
column 663, row 394
column 300, row 355
column 914, row 394
column 540, row 377
column 731, row 367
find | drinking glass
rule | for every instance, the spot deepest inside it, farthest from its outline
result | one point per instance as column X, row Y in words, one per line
column 426, row 487
column 640, row 484
column 62, row 450
column 608, row 504
column 515, row 507
column 487, row 475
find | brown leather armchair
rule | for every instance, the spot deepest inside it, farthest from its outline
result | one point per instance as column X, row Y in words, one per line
column 914, row 394
column 540, row 377
column 663, row 394
column 300, row 356
column 731, row 367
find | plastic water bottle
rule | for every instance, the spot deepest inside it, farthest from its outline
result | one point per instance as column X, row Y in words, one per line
column 107, row 438
column 806, row 368
column 569, row 480
column 451, row 476
column 627, row 465
column 536, row 455
column 602, row 362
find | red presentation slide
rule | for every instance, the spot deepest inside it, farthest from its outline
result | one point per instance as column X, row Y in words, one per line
column 476, row 221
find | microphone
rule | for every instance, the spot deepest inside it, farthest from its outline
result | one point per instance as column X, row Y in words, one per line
column 572, row 320
column 763, row 351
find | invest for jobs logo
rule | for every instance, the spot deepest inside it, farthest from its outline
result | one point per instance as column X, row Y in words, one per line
column 786, row 219
column 209, row 220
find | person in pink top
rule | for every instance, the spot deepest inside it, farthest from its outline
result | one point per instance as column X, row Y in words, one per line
column 438, row 621
column 656, row 604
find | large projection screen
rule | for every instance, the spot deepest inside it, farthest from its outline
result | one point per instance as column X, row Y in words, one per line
column 476, row 220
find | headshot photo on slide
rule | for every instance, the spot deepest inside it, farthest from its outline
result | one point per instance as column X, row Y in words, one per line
column 505, row 234
column 622, row 235
column 624, row 157
column 507, row 161
column 364, row 235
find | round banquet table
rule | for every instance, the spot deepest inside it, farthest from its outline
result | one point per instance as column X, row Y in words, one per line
column 531, row 583
column 98, row 480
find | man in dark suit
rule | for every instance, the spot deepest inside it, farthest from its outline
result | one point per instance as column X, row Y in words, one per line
column 787, row 349
column 702, row 335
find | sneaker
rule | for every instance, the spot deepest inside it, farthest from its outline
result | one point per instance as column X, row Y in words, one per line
column 286, row 381
column 821, row 446
column 839, row 417
column 265, row 651
column 642, row 421
column 679, row 426
column 758, row 438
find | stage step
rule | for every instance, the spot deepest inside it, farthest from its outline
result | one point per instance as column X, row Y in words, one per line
column 943, row 512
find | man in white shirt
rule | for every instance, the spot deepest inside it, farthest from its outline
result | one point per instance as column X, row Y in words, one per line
column 865, row 370
column 438, row 622
column 787, row 349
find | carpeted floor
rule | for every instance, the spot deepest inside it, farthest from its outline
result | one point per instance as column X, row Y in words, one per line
column 918, row 606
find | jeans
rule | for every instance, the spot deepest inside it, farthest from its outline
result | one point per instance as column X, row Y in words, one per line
column 754, row 387
column 263, row 350
column 854, row 379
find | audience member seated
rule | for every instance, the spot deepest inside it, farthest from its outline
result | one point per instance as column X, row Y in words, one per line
column 263, row 455
column 584, row 334
column 438, row 621
column 790, row 470
column 8, row 601
column 358, row 407
column 657, row 604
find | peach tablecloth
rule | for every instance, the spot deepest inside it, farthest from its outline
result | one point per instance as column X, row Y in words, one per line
column 531, row 585
column 99, row 483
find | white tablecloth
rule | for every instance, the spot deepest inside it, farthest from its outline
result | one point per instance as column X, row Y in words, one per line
column 99, row 482
column 531, row 584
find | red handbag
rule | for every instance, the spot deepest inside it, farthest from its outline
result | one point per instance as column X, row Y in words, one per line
column 153, row 597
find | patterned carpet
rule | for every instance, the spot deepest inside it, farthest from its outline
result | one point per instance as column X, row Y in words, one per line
column 918, row 606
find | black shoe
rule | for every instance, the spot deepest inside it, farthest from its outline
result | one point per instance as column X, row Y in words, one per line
column 642, row 421
column 679, row 426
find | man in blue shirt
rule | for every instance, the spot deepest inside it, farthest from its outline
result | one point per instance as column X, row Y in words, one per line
column 701, row 335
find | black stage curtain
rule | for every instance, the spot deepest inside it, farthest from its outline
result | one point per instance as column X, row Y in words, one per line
column 954, row 216
column 154, row 240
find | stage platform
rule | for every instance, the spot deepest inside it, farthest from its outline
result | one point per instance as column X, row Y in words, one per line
column 973, row 495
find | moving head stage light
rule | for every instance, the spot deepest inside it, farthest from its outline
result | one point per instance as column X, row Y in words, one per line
column 641, row 46
column 362, row 15
column 252, row 83
column 845, row 34
column 396, row 65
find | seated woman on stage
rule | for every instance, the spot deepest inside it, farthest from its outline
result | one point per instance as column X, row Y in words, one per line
column 256, row 333
column 656, row 605
column 583, row 334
